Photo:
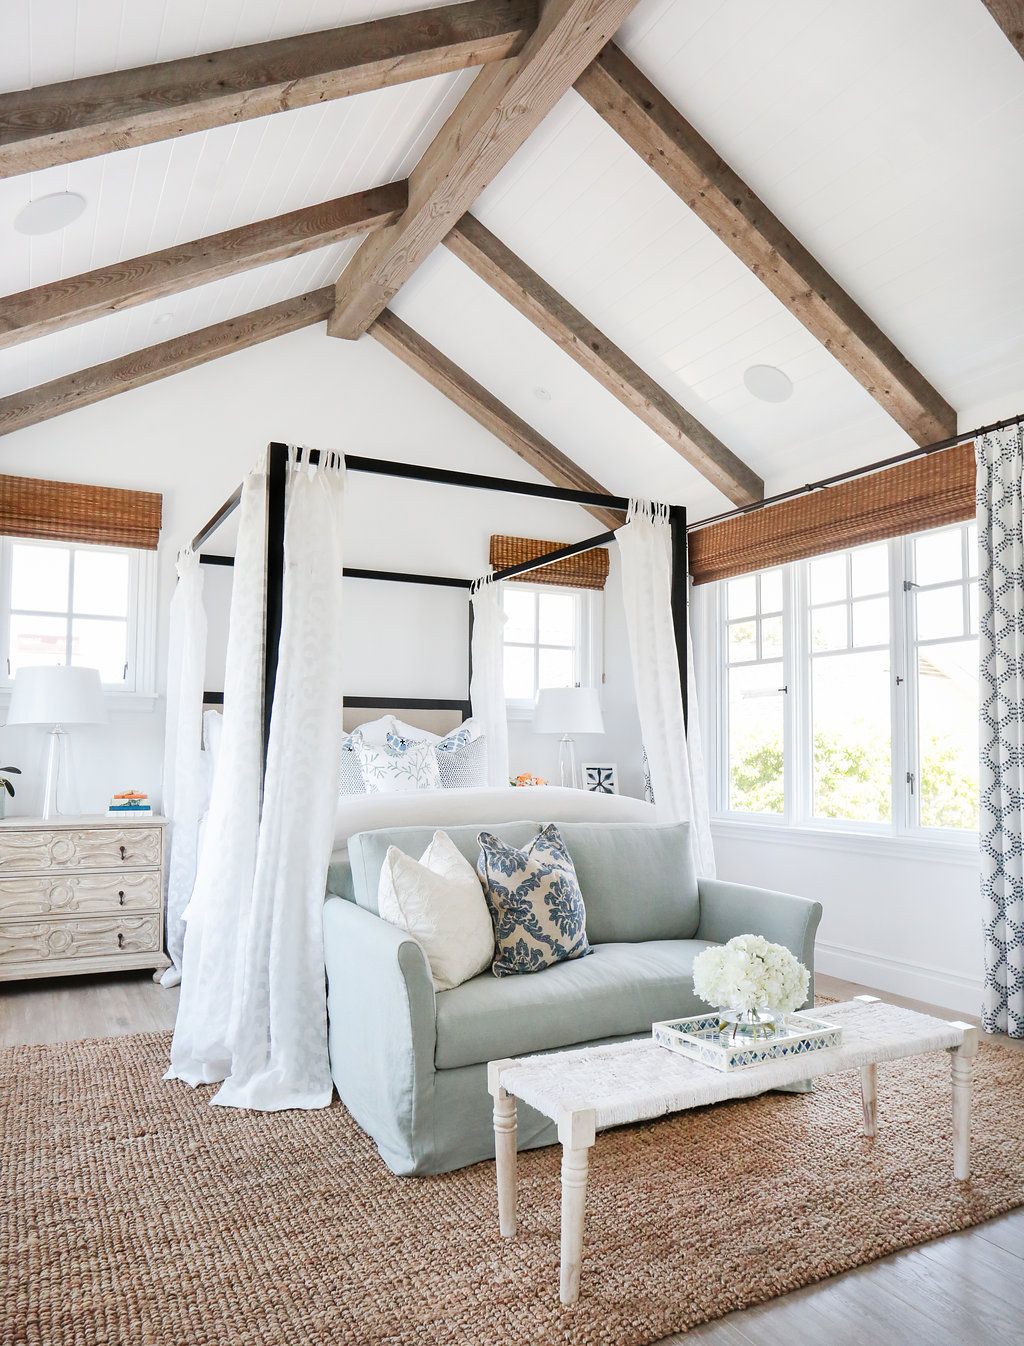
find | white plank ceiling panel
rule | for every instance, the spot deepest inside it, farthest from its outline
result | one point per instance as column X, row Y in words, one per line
column 504, row 351
column 889, row 138
column 586, row 213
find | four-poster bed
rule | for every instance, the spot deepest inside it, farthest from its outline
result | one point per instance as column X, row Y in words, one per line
column 277, row 460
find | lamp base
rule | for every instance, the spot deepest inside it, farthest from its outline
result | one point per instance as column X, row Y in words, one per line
column 567, row 762
column 56, row 754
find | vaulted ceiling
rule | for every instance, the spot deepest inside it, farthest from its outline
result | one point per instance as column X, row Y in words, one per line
column 830, row 189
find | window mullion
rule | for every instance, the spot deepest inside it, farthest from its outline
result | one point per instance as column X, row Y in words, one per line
column 800, row 682
column 69, row 618
column 904, row 689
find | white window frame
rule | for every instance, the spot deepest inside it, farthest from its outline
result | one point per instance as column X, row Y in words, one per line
column 588, row 642
column 139, row 688
column 708, row 610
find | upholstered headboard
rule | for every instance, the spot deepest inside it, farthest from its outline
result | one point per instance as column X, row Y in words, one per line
column 435, row 720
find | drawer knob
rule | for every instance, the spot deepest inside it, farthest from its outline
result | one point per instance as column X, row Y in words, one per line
column 120, row 940
column 124, row 853
column 120, row 897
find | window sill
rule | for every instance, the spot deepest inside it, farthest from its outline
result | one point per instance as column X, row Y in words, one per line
column 939, row 850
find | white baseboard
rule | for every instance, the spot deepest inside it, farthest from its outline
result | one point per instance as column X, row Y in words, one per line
column 917, row 981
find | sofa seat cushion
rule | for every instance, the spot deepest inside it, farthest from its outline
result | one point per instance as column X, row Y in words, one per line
column 619, row 990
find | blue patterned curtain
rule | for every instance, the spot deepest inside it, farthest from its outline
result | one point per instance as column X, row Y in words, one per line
column 1001, row 650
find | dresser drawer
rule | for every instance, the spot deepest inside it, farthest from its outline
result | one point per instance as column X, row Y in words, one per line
column 79, row 894
column 92, row 937
column 82, row 848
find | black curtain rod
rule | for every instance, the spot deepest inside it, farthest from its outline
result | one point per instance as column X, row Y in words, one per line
column 573, row 549
column 350, row 572
column 855, row 472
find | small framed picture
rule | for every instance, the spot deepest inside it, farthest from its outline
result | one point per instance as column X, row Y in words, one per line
column 600, row 778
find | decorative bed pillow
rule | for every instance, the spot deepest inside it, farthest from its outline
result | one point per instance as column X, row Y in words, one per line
column 464, row 766
column 437, row 899
column 350, row 775
column 387, row 770
column 535, row 903
column 471, row 728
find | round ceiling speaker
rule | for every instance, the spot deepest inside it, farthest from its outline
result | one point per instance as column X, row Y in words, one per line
column 768, row 383
column 47, row 214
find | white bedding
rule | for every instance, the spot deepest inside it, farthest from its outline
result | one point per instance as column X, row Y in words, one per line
column 491, row 804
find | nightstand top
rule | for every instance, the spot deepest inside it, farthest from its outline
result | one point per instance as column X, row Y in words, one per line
column 64, row 820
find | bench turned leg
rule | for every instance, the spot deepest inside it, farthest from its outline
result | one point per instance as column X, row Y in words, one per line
column 576, row 1132
column 962, row 1064
column 869, row 1099
column 504, row 1149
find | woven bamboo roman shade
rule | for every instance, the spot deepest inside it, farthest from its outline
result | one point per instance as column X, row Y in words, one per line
column 62, row 511
column 923, row 493
column 587, row 570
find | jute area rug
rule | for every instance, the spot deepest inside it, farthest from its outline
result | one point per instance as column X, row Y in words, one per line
column 133, row 1214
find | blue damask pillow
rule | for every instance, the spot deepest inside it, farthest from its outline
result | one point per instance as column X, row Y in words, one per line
column 534, row 899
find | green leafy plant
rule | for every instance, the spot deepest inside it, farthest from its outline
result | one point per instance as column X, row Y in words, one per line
column 5, row 784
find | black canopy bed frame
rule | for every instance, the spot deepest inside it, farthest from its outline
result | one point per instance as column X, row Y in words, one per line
column 276, row 485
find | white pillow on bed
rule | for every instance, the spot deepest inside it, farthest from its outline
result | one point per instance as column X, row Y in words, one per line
column 387, row 771
column 468, row 729
column 439, row 901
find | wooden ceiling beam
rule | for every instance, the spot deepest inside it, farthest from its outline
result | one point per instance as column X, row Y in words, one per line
column 651, row 126
column 503, row 106
column 474, row 244
column 122, row 285
column 446, row 376
column 60, row 123
column 1009, row 14
column 87, row 386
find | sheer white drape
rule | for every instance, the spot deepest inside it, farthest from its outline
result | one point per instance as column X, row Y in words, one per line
column 217, row 916
column 487, row 685
column 1001, row 684
column 183, row 784
column 673, row 752
column 279, row 1035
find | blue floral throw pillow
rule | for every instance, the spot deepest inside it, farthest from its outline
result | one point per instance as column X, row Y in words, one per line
column 535, row 903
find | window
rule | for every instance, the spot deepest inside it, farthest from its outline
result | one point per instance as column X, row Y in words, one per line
column 77, row 605
column 847, row 687
column 754, row 671
column 552, row 639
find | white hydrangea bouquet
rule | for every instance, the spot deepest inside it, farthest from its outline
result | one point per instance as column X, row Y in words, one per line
column 751, row 982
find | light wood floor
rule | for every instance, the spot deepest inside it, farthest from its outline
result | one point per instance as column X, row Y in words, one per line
column 963, row 1290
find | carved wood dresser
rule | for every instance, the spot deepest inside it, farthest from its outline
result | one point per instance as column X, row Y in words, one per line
column 81, row 895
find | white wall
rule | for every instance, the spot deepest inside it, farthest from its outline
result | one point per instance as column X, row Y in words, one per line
column 192, row 437
column 904, row 917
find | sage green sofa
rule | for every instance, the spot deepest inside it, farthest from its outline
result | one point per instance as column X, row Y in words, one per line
column 410, row 1063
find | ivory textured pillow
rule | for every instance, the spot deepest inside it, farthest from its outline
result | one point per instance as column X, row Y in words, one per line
column 535, row 903
column 437, row 899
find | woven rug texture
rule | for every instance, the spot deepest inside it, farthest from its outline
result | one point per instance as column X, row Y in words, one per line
column 133, row 1214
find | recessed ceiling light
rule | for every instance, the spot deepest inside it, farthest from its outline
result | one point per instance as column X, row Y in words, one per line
column 768, row 383
column 162, row 318
column 47, row 214
column 542, row 395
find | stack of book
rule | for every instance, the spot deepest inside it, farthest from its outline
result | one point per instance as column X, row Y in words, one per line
column 129, row 804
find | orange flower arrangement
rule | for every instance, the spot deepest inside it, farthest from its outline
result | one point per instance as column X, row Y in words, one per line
column 524, row 778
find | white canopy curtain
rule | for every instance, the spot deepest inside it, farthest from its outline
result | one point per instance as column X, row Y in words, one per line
column 673, row 749
column 253, row 1008
column 183, row 784
column 487, row 685
column 1001, row 656
column 217, row 914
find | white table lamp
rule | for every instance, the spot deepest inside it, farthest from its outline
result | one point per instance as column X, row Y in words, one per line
column 567, row 711
column 56, row 697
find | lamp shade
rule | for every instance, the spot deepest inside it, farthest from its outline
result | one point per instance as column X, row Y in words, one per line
column 60, row 695
column 568, row 710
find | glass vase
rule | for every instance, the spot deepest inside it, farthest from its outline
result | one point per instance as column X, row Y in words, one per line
column 747, row 1025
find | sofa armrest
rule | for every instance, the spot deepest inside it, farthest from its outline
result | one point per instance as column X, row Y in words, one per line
column 728, row 909
column 381, row 1030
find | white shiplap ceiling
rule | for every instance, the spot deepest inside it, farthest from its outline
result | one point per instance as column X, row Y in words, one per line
column 887, row 136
